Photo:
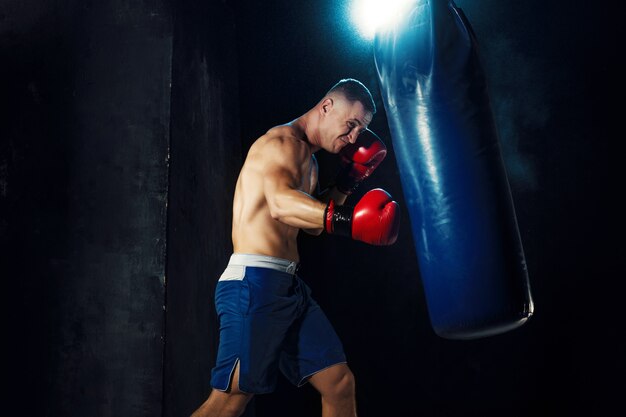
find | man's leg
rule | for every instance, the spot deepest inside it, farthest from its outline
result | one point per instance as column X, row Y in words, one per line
column 231, row 403
column 336, row 385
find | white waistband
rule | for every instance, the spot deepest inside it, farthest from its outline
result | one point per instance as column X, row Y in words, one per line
column 263, row 261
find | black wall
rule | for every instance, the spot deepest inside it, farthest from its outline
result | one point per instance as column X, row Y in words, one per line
column 84, row 131
column 105, row 106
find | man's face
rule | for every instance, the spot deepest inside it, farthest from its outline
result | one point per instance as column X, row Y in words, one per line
column 343, row 123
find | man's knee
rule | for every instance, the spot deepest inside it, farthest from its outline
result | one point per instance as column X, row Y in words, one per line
column 234, row 409
column 340, row 386
column 346, row 385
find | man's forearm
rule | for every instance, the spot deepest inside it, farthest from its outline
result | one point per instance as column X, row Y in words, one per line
column 298, row 209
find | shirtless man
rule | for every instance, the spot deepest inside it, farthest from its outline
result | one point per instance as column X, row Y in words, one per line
column 268, row 320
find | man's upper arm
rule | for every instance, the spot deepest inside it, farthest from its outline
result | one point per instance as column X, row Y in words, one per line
column 281, row 170
column 283, row 181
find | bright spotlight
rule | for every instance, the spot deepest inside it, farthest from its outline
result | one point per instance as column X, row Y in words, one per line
column 369, row 15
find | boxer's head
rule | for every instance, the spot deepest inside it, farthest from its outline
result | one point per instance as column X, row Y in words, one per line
column 345, row 111
column 353, row 90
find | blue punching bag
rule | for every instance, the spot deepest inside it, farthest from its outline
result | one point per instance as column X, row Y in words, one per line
column 463, row 221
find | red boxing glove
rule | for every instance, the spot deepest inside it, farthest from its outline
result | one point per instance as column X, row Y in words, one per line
column 374, row 220
column 359, row 160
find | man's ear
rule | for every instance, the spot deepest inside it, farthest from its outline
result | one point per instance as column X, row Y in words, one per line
column 327, row 105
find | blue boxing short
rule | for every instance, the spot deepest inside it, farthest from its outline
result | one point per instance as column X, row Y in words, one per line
column 268, row 321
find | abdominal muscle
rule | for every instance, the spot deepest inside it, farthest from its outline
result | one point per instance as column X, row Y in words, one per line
column 263, row 240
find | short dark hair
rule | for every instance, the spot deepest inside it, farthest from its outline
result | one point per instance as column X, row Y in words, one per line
column 354, row 90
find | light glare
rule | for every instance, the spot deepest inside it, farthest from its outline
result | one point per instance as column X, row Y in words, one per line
column 369, row 15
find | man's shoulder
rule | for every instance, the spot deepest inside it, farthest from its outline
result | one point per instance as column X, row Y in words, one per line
column 286, row 134
column 282, row 139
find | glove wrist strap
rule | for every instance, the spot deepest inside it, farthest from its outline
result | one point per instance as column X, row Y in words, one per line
column 341, row 220
column 328, row 216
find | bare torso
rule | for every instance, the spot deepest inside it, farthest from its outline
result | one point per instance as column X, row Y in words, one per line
column 254, row 229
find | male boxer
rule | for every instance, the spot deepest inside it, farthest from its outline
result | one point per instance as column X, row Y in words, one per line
column 268, row 320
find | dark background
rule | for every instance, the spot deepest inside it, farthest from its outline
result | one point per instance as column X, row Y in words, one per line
column 124, row 124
